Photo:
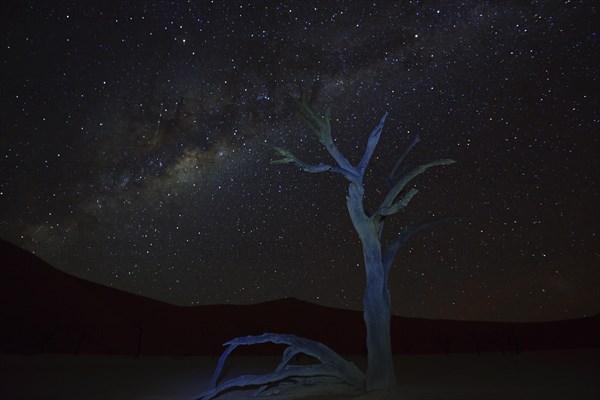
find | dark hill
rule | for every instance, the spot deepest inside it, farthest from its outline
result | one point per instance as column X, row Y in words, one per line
column 45, row 310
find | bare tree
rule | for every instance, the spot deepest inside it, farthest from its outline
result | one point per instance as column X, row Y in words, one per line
column 378, row 263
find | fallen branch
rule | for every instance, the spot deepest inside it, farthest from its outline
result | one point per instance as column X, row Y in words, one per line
column 332, row 366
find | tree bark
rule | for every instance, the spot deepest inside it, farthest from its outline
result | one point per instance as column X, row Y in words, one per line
column 377, row 313
column 376, row 300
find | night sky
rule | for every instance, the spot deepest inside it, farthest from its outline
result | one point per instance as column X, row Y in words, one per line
column 133, row 149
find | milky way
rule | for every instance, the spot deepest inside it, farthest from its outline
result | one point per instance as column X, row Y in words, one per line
column 135, row 149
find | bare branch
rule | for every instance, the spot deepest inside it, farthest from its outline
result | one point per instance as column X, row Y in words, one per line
column 392, row 175
column 400, row 204
column 390, row 252
column 321, row 127
column 289, row 158
column 399, row 186
column 331, row 364
column 371, row 144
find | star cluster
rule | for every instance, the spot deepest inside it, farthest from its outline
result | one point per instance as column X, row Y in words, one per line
column 135, row 149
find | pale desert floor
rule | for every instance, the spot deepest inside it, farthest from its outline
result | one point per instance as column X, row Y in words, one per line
column 569, row 375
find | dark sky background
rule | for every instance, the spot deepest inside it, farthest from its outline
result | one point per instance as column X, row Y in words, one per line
column 132, row 148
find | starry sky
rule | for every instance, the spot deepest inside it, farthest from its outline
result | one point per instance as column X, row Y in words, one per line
column 133, row 149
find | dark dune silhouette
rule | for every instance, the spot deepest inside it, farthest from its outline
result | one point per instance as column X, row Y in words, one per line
column 44, row 310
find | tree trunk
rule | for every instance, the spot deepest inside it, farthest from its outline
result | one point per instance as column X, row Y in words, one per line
column 377, row 314
column 376, row 301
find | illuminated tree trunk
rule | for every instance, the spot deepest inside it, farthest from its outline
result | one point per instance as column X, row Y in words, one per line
column 376, row 299
column 377, row 313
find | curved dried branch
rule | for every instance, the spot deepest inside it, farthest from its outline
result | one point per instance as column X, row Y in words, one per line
column 309, row 386
column 321, row 127
column 399, row 186
column 371, row 144
column 289, row 158
column 273, row 377
column 331, row 364
column 392, row 249
column 399, row 205
column 392, row 175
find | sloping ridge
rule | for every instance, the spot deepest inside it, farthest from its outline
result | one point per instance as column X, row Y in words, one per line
column 43, row 309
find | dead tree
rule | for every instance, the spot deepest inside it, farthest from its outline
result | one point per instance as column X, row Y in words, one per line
column 378, row 263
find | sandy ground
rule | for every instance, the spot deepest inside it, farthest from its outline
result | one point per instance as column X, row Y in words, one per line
column 569, row 375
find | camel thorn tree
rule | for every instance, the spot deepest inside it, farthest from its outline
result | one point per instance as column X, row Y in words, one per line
column 377, row 261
